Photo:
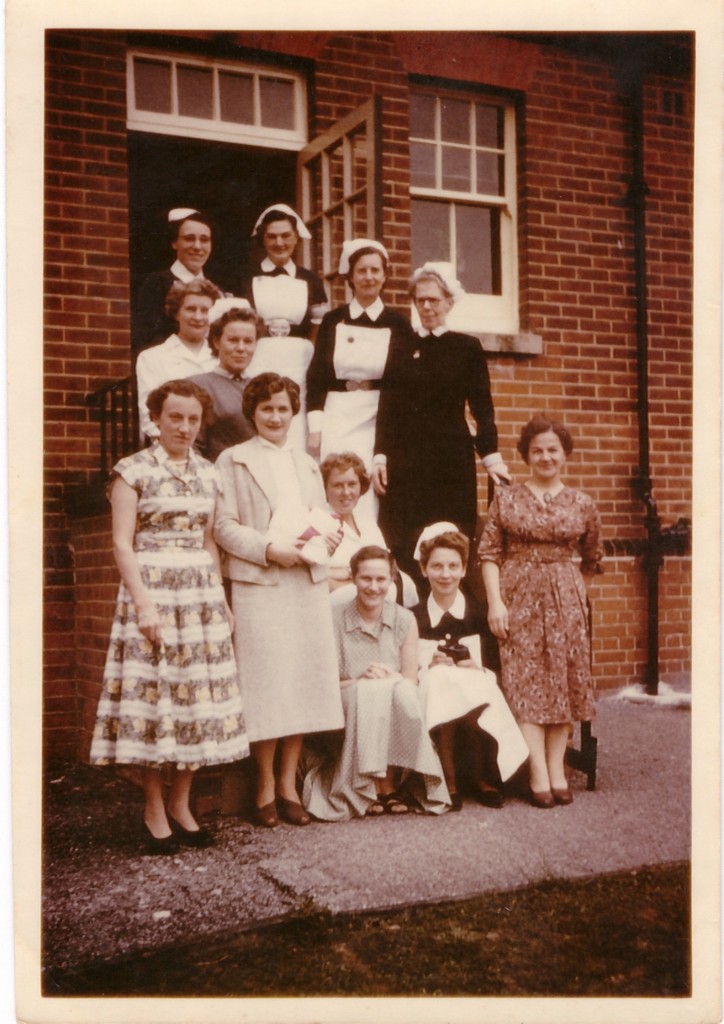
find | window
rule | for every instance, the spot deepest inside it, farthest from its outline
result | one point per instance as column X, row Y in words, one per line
column 462, row 184
column 208, row 99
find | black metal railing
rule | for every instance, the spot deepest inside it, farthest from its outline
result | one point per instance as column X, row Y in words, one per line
column 115, row 407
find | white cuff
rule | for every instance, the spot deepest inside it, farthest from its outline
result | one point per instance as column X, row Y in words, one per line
column 490, row 460
column 315, row 420
column 379, row 460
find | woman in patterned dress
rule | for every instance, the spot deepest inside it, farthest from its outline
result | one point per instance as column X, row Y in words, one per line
column 537, row 602
column 170, row 693
column 384, row 723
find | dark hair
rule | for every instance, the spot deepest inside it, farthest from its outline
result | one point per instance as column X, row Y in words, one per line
column 216, row 329
column 368, row 552
column 261, row 388
column 540, row 424
column 270, row 218
column 367, row 250
column 456, row 541
column 343, row 462
column 184, row 388
column 174, row 226
column 178, row 292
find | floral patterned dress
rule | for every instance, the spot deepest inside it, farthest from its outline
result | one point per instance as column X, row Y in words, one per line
column 545, row 660
column 178, row 702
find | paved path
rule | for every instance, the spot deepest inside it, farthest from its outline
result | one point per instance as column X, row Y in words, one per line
column 102, row 900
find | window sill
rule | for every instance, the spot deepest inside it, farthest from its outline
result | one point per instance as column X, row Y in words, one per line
column 511, row 344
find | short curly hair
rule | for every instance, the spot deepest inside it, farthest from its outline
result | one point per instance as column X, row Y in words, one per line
column 186, row 389
column 178, row 292
column 245, row 316
column 261, row 388
column 454, row 541
column 342, row 462
column 541, row 424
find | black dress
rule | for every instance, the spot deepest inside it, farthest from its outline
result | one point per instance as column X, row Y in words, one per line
column 423, row 431
column 474, row 623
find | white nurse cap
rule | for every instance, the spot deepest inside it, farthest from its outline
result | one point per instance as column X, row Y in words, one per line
column 285, row 211
column 349, row 248
column 430, row 533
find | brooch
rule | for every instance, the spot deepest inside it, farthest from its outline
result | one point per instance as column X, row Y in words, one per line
column 350, row 340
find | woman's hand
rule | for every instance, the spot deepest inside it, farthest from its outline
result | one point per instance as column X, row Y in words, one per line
column 379, row 479
column 285, row 555
column 498, row 619
column 333, row 540
column 314, row 444
column 229, row 616
column 149, row 623
column 376, row 670
column 439, row 658
column 498, row 473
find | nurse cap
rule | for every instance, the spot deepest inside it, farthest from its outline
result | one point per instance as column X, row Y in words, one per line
column 446, row 274
column 430, row 533
column 286, row 211
column 180, row 213
column 349, row 248
column 222, row 306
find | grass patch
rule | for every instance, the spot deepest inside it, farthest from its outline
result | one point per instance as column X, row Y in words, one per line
column 626, row 934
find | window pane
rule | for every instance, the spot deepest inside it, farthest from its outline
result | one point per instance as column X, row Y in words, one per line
column 490, row 173
column 422, row 165
column 236, row 98
column 456, row 169
column 455, row 120
column 277, row 103
column 478, row 249
column 153, row 85
column 430, row 234
column 335, row 172
column 360, row 159
column 194, row 92
column 489, row 126
column 422, row 116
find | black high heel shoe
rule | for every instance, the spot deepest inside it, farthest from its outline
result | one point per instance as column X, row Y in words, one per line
column 155, row 846
column 198, row 838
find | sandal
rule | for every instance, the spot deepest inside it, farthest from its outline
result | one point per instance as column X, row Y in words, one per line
column 392, row 803
column 375, row 809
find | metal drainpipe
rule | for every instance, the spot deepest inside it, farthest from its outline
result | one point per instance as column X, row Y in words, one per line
column 642, row 482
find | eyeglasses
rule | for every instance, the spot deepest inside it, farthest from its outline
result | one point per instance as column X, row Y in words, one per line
column 433, row 303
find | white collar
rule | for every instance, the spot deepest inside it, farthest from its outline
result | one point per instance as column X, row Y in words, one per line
column 438, row 331
column 270, row 446
column 174, row 341
column 435, row 612
column 225, row 373
column 269, row 267
column 373, row 312
column 184, row 274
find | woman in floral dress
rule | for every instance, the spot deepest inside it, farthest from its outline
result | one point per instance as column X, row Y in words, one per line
column 170, row 693
column 537, row 602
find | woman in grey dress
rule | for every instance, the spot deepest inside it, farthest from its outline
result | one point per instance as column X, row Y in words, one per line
column 385, row 725
column 284, row 640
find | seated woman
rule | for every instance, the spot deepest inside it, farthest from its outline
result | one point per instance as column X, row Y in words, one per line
column 463, row 706
column 384, row 725
column 345, row 481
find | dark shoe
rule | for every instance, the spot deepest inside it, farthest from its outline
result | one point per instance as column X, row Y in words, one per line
column 562, row 796
column 489, row 796
column 291, row 812
column 456, row 802
column 543, row 800
column 266, row 816
column 199, row 837
column 155, row 846
column 375, row 809
column 393, row 804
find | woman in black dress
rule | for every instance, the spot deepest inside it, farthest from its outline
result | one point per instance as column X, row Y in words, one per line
column 424, row 448
column 354, row 350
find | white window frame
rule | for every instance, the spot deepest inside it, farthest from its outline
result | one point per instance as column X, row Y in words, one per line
column 214, row 128
column 479, row 313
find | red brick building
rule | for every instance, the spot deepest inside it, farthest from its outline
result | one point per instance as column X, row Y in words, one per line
column 555, row 170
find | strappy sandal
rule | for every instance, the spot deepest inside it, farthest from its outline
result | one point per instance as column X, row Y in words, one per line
column 392, row 804
column 375, row 809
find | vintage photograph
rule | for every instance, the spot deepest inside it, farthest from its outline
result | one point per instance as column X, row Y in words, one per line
column 368, row 366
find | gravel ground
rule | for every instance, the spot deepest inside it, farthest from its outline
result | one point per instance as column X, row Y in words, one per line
column 103, row 900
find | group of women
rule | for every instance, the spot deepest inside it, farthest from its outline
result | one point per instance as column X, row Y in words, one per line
column 354, row 695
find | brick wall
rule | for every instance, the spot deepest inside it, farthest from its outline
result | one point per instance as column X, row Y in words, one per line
column 86, row 337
